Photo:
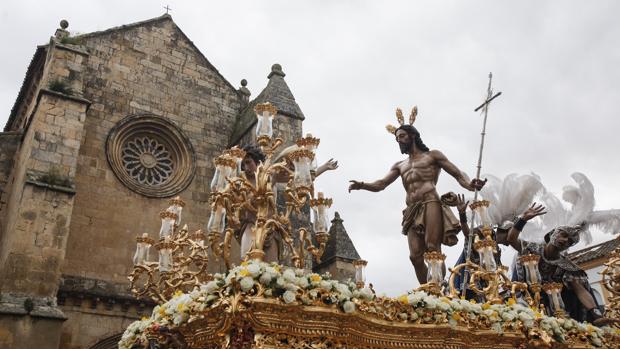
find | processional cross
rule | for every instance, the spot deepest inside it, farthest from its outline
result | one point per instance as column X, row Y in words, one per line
column 485, row 110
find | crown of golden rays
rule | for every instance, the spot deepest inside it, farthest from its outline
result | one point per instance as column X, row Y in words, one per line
column 401, row 119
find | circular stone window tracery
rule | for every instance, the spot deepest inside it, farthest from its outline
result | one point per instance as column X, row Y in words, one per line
column 150, row 156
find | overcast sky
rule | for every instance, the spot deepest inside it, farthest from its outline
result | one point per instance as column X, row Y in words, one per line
column 351, row 63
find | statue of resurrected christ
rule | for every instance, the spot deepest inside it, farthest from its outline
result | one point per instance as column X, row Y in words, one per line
column 427, row 222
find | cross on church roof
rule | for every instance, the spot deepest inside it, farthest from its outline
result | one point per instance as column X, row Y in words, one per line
column 167, row 8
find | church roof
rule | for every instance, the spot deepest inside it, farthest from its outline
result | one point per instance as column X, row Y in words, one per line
column 277, row 93
column 339, row 245
column 594, row 252
column 40, row 52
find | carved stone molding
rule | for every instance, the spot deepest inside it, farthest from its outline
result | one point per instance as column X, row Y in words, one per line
column 150, row 155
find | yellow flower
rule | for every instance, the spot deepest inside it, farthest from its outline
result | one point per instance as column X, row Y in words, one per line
column 277, row 268
column 162, row 311
column 462, row 298
column 180, row 306
column 177, row 293
column 486, row 306
column 537, row 314
column 590, row 328
column 403, row 299
column 244, row 272
column 457, row 317
column 445, row 300
column 245, row 263
column 315, row 278
column 144, row 318
column 472, row 301
column 511, row 301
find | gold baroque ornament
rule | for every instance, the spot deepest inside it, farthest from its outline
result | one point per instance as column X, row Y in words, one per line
column 150, row 155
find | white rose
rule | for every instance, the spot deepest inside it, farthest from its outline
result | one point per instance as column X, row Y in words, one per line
column 325, row 285
column 299, row 272
column 367, row 293
column 302, row 282
column 289, row 297
column 291, row 287
column 265, row 279
column 253, row 269
column 246, row 283
column 280, row 282
column 508, row 316
column 348, row 307
column 289, row 275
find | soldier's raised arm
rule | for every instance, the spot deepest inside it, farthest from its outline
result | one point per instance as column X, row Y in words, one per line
column 377, row 185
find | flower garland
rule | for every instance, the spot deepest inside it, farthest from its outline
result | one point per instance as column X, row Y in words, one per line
column 299, row 286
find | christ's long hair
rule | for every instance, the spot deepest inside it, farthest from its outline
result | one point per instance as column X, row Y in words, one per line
column 415, row 135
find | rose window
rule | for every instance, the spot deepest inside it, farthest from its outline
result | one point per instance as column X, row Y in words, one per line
column 150, row 155
column 147, row 161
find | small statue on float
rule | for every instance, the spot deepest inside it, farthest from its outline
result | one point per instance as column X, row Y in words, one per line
column 564, row 282
column 273, row 246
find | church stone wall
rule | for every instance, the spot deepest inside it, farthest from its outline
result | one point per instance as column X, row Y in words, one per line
column 150, row 69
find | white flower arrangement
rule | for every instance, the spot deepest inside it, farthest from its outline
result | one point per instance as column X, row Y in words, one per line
column 297, row 286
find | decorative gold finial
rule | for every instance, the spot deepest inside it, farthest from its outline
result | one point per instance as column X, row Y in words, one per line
column 401, row 119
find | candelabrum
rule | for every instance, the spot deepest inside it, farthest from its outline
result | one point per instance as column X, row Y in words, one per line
column 611, row 282
column 486, row 278
column 233, row 196
column 182, row 259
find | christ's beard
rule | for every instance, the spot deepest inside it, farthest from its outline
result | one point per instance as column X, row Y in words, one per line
column 404, row 147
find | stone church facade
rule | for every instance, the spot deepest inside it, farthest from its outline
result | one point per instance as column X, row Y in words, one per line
column 105, row 128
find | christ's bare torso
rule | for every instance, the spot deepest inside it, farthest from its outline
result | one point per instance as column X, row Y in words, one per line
column 419, row 175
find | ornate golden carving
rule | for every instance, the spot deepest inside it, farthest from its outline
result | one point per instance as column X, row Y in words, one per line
column 265, row 107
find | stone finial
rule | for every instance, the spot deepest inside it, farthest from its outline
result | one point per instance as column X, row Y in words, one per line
column 337, row 218
column 62, row 32
column 276, row 69
column 245, row 92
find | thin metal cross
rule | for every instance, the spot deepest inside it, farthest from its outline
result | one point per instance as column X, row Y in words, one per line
column 484, row 105
column 167, row 9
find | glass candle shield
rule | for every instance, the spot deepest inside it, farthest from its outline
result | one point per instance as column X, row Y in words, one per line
column 167, row 225
column 176, row 209
column 532, row 274
column 302, row 176
column 481, row 214
column 222, row 172
column 264, row 125
column 487, row 258
column 142, row 250
column 313, row 163
column 555, row 298
column 360, row 272
column 320, row 216
column 435, row 269
column 165, row 256
column 217, row 221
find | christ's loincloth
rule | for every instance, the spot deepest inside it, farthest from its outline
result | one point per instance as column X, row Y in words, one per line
column 414, row 220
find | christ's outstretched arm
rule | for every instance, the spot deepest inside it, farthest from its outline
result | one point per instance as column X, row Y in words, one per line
column 377, row 185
